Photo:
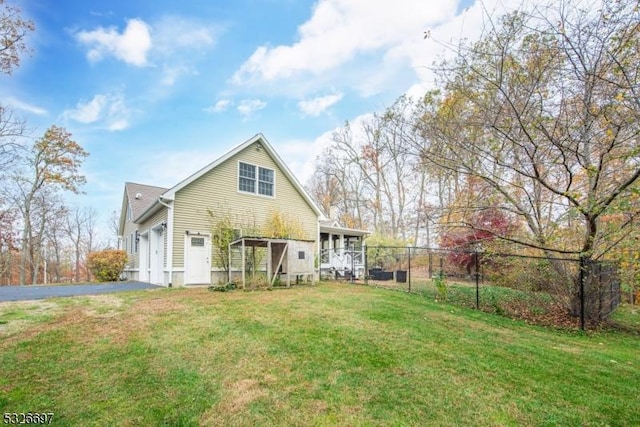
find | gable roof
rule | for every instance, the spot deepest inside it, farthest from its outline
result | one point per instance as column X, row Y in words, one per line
column 329, row 223
column 141, row 196
column 169, row 194
column 138, row 197
column 333, row 226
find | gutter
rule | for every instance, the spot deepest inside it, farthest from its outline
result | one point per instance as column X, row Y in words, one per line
column 169, row 237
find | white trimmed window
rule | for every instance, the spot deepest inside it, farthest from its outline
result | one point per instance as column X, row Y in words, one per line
column 256, row 179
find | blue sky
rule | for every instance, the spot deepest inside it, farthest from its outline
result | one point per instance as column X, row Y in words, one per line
column 156, row 90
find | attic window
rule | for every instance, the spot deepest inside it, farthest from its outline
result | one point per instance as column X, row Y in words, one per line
column 255, row 179
column 247, row 179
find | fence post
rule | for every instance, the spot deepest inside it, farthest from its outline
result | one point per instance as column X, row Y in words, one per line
column 581, row 277
column 409, row 266
column 477, row 280
column 353, row 264
column 366, row 264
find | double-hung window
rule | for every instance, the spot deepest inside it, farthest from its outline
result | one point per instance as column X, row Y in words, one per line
column 247, row 178
column 256, row 179
column 265, row 181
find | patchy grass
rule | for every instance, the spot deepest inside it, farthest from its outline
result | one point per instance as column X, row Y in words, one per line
column 626, row 318
column 326, row 355
column 19, row 315
column 534, row 307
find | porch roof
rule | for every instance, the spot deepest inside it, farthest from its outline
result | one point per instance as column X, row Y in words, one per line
column 332, row 229
column 262, row 241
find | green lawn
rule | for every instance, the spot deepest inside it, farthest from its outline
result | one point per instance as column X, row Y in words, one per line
column 328, row 355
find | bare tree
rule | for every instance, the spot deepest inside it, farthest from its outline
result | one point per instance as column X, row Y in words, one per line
column 56, row 238
column 90, row 237
column 13, row 32
column 75, row 226
column 113, row 225
column 545, row 109
column 52, row 163
column 8, row 240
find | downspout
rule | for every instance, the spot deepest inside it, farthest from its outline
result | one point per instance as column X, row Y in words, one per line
column 169, row 253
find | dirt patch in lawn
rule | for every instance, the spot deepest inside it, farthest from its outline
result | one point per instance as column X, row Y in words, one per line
column 237, row 396
column 102, row 317
column 135, row 319
column 16, row 316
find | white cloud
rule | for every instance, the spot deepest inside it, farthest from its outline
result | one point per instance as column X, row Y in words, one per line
column 249, row 106
column 109, row 110
column 338, row 30
column 87, row 112
column 171, row 73
column 21, row 105
column 176, row 164
column 221, row 106
column 172, row 44
column 314, row 107
column 130, row 46
column 300, row 155
column 369, row 46
column 174, row 35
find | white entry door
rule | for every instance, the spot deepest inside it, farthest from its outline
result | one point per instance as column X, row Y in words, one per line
column 156, row 256
column 143, row 276
column 197, row 266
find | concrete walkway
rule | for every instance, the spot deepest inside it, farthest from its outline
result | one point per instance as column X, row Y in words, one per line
column 32, row 292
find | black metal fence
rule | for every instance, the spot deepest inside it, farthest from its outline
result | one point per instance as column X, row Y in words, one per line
column 548, row 290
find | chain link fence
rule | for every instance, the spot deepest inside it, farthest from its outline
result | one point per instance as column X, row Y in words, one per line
column 547, row 290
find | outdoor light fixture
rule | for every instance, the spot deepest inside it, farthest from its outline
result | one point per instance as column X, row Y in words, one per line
column 164, row 226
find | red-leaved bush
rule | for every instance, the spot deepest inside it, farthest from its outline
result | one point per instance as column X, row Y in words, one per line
column 482, row 227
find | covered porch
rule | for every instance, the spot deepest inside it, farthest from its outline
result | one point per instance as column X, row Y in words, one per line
column 341, row 251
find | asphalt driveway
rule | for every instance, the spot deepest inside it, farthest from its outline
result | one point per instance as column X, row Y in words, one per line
column 31, row 292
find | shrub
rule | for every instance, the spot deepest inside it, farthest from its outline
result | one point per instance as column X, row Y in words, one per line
column 107, row 265
column 441, row 287
column 282, row 226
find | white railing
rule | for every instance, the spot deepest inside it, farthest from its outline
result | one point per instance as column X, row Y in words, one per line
column 341, row 259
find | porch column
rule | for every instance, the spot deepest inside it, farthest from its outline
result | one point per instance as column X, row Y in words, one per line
column 330, row 249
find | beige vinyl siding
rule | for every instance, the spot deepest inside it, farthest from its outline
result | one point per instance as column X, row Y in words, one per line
column 129, row 227
column 156, row 218
column 218, row 190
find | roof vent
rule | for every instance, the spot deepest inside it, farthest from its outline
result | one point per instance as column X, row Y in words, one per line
column 138, row 196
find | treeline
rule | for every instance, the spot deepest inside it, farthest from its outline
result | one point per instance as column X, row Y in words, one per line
column 40, row 236
column 531, row 139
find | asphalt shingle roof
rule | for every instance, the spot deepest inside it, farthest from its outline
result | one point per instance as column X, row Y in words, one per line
column 147, row 194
